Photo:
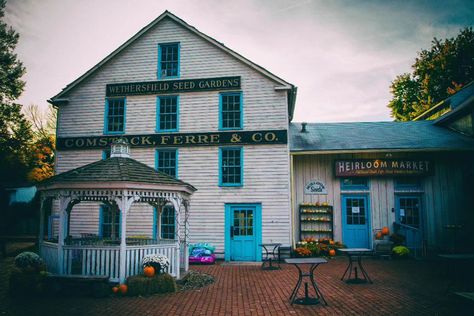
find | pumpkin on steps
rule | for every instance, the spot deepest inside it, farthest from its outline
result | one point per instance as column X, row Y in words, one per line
column 332, row 252
column 149, row 271
column 385, row 230
column 378, row 235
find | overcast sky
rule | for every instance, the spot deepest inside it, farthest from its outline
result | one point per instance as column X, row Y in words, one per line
column 342, row 55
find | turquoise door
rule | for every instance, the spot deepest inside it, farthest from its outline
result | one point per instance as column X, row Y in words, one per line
column 355, row 221
column 243, row 232
column 408, row 215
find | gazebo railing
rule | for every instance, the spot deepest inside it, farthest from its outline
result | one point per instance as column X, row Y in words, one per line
column 105, row 260
column 49, row 253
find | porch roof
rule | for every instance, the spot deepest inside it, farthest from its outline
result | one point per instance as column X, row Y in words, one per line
column 115, row 170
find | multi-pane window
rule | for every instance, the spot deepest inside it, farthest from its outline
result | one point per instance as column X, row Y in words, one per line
column 356, row 211
column 167, row 223
column 109, row 222
column 168, row 60
column 231, row 110
column 166, row 161
column 354, row 183
column 167, row 116
column 231, row 166
column 243, row 222
column 115, row 116
column 409, row 211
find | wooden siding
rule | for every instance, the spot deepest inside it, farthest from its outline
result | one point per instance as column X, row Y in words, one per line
column 264, row 108
column 266, row 167
column 446, row 197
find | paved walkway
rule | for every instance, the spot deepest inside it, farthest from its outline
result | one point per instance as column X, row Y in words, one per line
column 400, row 288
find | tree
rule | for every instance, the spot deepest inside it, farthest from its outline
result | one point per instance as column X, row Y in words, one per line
column 42, row 149
column 437, row 73
column 15, row 132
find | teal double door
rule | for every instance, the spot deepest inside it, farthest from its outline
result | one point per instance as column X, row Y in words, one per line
column 243, row 232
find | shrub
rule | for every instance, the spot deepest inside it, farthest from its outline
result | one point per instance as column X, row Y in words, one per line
column 195, row 280
column 302, row 252
column 29, row 261
column 142, row 285
column 400, row 251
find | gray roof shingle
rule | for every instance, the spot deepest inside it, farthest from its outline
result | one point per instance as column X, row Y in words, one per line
column 376, row 136
column 115, row 169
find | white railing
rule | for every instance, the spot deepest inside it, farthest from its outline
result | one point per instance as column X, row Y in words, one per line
column 49, row 253
column 105, row 260
column 136, row 253
column 89, row 260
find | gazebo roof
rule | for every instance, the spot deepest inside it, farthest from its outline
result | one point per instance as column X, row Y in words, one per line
column 114, row 170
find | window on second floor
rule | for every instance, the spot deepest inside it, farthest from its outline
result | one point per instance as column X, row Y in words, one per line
column 230, row 108
column 230, row 167
column 168, row 60
column 167, row 114
column 115, row 116
column 167, row 162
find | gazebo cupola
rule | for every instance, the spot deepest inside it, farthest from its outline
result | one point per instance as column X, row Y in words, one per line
column 118, row 182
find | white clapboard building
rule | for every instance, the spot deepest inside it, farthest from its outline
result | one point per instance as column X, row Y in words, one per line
column 194, row 109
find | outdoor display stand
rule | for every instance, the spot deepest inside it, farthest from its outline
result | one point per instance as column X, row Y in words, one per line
column 316, row 221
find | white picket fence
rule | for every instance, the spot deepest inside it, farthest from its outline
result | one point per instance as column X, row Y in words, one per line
column 105, row 260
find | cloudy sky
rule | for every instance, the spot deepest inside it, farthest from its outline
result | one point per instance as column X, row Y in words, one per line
column 342, row 55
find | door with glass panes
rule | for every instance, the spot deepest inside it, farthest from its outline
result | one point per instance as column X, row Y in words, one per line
column 408, row 215
column 355, row 221
column 242, row 230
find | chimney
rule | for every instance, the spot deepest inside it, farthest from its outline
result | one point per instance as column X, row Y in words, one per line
column 303, row 127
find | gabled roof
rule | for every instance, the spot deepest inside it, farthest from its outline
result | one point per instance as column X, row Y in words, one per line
column 285, row 85
column 115, row 170
column 373, row 136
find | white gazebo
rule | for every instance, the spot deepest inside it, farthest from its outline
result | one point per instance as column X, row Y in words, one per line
column 118, row 182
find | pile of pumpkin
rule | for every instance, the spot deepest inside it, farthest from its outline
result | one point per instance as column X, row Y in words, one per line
column 148, row 271
column 381, row 233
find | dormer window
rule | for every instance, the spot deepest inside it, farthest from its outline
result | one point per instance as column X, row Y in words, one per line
column 168, row 60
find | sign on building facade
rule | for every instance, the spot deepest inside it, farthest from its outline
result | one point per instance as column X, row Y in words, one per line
column 315, row 187
column 383, row 167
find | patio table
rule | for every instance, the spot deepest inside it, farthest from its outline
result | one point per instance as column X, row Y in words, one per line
column 306, row 300
column 358, row 253
column 270, row 255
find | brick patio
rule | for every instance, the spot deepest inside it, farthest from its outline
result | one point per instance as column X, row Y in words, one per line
column 400, row 287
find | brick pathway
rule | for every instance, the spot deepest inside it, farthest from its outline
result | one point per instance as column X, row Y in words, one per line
column 400, row 288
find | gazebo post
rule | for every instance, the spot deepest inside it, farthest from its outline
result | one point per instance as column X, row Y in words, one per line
column 123, row 240
column 63, row 204
column 41, row 222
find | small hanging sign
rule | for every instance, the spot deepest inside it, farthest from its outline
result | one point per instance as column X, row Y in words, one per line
column 315, row 187
column 355, row 210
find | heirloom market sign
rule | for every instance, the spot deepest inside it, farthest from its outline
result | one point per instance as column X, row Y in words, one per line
column 383, row 167
column 172, row 86
column 178, row 139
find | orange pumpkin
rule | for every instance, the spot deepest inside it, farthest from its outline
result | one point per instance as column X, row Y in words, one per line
column 332, row 252
column 331, row 242
column 149, row 271
column 385, row 230
column 378, row 235
column 123, row 288
column 115, row 289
